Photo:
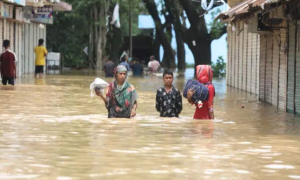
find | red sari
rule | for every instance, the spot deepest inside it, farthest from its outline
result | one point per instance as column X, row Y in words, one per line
column 204, row 75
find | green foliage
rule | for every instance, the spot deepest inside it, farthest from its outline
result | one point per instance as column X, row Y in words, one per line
column 137, row 7
column 215, row 26
column 188, row 65
column 69, row 33
column 219, row 68
column 62, row 37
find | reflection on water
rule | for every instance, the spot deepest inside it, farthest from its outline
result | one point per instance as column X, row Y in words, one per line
column 53, row 129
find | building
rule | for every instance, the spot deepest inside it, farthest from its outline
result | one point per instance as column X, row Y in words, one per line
column 23, row 22
column 264, row 50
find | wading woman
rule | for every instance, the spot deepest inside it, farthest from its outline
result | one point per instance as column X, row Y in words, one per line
column 121, row 97
column 204, row 76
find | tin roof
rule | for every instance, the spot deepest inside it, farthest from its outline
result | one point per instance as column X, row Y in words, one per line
column 62, row 6
column 247, row 6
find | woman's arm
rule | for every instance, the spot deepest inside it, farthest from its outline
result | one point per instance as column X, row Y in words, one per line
column 212, row 115
column 98, row 93
column 190, row 93
column 211, row 100
column 133, row 111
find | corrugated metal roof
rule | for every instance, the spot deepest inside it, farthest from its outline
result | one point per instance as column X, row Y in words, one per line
column 62, row 6
column 244, row 7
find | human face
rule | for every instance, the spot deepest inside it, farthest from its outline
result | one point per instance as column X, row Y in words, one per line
column 168, row 80
column 121, row 77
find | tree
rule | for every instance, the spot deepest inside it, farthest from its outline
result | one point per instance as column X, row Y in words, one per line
column 88, row 25
column 197, row 36
column 84, row 26
column 219, row 68
column 169, row 54
column 98, row 11
column 115, row 35
column 64, row 35
column 174, row 10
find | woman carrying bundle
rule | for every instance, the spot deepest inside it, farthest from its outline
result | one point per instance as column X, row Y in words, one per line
column 121, row 97
column 204, row 75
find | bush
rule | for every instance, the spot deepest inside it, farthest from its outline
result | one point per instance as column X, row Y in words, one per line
column 219, row 68
column 187, row 65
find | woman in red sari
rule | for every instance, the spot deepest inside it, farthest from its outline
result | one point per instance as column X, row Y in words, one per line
column 204, row 75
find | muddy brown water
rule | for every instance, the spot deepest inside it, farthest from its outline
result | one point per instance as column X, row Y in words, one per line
column 53, row 129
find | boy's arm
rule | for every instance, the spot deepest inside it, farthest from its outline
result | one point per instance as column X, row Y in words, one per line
column 157, row 102
column 179, row 102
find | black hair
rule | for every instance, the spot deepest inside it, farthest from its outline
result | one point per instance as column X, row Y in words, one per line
column 6, row 43
column 123, row 59
column 168, row 72
column 41, row 41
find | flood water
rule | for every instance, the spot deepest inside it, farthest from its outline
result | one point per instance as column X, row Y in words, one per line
column 53, row 129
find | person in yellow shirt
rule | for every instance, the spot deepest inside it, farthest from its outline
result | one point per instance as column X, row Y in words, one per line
column 40, row 54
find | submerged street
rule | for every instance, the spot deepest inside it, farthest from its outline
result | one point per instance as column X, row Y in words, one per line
column 52, row 129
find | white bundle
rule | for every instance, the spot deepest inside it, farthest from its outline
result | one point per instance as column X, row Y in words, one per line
column 98, row 84
column 204, row 5
column 116, row 17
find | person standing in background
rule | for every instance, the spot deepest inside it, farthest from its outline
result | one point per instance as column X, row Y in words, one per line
column 40, row 54
column 8, row 65
column 137, row 68
column 124, row 63
column 109, row 68
column 153, row 65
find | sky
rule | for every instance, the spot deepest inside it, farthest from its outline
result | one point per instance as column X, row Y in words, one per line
column 218, row 47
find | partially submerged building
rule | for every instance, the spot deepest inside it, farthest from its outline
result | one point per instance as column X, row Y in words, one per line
column 23, row 22
column 264, row 50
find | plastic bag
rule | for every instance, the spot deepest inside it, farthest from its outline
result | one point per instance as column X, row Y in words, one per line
column 98, row 85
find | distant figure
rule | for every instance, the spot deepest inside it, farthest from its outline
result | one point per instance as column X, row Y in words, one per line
column 153, row 65
column 204, row 76
column 124, row 63
column 143, row 63
column 108, row 68
column 168, row 98
column 137, row 68
column 8, row 65
column 127, row 58
column 40, row 54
